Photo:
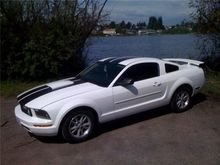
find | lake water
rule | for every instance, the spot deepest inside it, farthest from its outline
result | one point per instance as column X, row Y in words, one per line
column 162, row 46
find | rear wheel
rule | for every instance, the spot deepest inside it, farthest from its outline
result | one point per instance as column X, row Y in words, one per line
column 78, row 126
column 181, row 100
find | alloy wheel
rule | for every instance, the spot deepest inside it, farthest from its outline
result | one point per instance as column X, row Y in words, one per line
column 80, row 126
column 182, row 99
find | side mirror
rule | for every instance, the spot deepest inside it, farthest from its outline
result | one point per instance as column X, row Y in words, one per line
column 126, row 81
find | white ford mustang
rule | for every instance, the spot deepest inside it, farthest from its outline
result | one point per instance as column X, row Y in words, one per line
column 109, row 89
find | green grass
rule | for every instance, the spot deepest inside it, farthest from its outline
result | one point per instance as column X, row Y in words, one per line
column 13, row 88
column 212, row 84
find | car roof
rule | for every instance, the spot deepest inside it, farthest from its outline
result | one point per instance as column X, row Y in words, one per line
column 129, row 60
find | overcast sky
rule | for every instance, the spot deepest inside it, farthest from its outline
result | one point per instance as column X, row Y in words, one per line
column 172, row 11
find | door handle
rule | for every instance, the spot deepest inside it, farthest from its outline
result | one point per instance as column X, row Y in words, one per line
column 156, row 84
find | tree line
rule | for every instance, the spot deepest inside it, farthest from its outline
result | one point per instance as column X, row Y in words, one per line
column 153, row 23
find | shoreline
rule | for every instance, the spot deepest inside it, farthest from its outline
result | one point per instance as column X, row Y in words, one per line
column 155, row 34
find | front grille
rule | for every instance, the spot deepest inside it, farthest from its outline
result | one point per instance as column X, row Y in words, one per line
column 26, row 110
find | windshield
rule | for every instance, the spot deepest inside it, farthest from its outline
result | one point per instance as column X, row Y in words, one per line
column 101, row 73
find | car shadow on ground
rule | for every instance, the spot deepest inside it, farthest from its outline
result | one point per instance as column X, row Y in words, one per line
column 126, row 121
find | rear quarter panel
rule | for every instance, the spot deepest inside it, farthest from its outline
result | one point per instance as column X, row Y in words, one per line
column 191, row 75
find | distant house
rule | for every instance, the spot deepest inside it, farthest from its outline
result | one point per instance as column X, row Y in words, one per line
column 130, row 32
column 110, row 32
column 146, row 31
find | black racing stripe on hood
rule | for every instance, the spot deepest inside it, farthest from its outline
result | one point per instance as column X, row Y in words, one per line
column 33, row 94
column 31, row 91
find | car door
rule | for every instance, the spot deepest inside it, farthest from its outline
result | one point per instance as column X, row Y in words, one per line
column 145, row 92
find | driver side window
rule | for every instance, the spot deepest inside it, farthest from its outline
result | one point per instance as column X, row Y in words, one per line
column 140, row 72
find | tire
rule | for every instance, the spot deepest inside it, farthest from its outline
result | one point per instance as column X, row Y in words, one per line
column 181, row 100
column 78, row 126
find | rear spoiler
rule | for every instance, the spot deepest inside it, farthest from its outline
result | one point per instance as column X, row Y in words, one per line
column 182, row 61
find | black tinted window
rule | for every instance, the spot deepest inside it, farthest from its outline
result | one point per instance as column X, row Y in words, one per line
column 101, row 73
column 141, row 71
column 171, row 68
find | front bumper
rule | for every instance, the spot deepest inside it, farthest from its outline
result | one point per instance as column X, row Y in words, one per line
column 35, row 125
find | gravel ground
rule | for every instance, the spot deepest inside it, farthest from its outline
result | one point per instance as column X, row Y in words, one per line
column 154, row 137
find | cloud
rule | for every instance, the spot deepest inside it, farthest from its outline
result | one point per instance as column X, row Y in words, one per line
column 172, row 11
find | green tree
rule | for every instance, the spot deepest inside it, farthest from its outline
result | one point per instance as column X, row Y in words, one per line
column 155, row 23
column 207, row 17
column 122, row 25
column 133, row 26
column 141, row 25
column 112, row 24
column 46, row 38
column 160, row 23
column 152, row 24
column 128, row 25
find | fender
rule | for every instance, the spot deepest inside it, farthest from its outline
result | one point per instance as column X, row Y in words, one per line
column 177, row 84
column 69, row 106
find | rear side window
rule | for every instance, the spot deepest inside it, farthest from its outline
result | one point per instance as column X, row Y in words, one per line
column 141, row 71
column 171, row 68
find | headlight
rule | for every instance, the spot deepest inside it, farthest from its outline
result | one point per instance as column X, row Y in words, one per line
column 26, row 110
column 41, row 114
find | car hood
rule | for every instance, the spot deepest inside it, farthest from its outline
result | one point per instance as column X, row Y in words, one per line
column 43, row 95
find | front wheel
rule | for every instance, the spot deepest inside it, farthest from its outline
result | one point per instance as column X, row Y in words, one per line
column 78, row 126
column 181, row 100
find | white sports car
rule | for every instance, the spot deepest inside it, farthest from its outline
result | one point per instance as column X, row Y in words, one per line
column 109, row 89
